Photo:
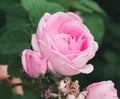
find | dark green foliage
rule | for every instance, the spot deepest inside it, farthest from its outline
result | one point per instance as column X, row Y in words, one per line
column 37, row 8
column 88, row 6
column 14, row 41
column 19, row 20
column 95, row 23
column 15, row 70
column 5, row 91
column 65, row 3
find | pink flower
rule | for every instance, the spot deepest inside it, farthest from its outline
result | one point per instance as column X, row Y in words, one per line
column 66, row 42
column 33, row 63
column 50, row 95
column 63, row 86
column 68, row 87
column 102, row 90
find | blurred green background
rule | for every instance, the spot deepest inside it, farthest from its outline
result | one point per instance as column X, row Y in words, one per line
column 18, row 20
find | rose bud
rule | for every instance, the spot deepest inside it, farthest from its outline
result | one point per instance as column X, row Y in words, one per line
column 33, row 63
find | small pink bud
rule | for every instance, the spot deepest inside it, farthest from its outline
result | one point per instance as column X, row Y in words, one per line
column 33, row 63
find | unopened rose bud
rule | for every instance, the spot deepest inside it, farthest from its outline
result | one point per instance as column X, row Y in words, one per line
column 33, row 63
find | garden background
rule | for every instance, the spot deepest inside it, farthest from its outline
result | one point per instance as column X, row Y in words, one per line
column 19, row 19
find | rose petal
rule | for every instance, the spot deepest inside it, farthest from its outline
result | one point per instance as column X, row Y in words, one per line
column 42, row 24
column 72, row 28
column 86, row 69
column 74, row 16
column 104, row 89
column 56, row 21
column 34, row 43
column 85, row 56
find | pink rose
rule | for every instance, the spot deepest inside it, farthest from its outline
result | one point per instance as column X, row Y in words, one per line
column 102, row 90
column 33, row 63
column 66, row 42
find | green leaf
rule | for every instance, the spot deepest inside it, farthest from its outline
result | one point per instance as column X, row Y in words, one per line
column 13, row 48
column 82, row 7
column 5, row 91
column 26, row 96
column 64, row 3
column 111, row 57
column 5, row 4
column 15, row 68
column 17, row 18
column 14, row 42
column 31, row 95
column 17, row 96
column 88, row 6
column 96, row 25
column 4, row 59
column 114, row 28
column 37, row 8
column 92, row 5
column 57, row 75
column 108, row 71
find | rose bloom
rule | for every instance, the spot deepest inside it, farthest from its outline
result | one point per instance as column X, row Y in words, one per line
column 102, row 90
column 33, row 63
column 66, row 42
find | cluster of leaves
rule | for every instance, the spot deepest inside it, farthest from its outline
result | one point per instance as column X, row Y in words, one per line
column 19, row 20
